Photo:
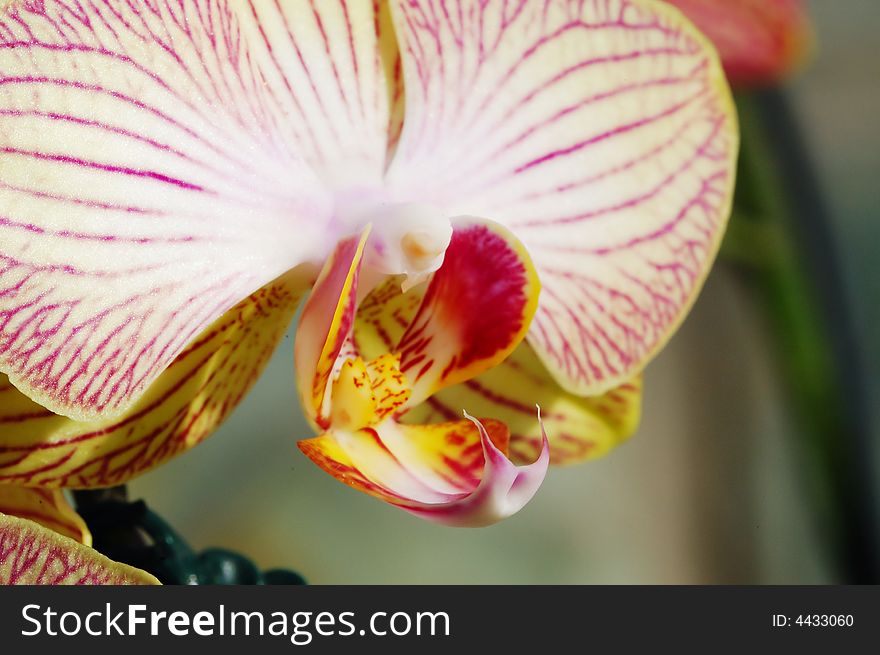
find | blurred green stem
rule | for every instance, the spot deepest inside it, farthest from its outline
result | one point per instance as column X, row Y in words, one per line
column 779, row 236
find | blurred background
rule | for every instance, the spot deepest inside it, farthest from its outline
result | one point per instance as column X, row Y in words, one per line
column 758, row 456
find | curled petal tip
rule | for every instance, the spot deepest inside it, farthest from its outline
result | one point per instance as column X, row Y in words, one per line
column 455, row 474
column 503, row 490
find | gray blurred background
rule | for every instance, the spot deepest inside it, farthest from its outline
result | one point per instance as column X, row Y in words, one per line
column 713, row 487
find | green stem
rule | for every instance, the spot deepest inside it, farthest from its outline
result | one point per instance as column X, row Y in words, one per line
column 767, row 239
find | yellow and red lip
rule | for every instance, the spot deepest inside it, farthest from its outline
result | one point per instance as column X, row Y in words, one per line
column 474, row 312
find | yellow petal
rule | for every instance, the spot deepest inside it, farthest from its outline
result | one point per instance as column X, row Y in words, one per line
column 33, row 555
column 578, row 428
column 48, row 507
column 183, row 407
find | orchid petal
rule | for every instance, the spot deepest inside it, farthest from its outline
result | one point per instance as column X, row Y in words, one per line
column 760, row 41
column 602, row 134
column 335, row 67
column 455, row 473
column 326, row 323
column 179, row 410
column 475, row 311
column 579, row 428
column 157, row 167
column 33, row 555
column 48, row 507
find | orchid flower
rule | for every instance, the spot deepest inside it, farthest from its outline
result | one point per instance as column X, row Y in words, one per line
column 760, row 42
column 175, row 175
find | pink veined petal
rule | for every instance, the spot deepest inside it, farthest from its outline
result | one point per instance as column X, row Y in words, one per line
column 31, row 554
column 183, row 406
column 602, row 133
column 334, row 70
column 160, row 161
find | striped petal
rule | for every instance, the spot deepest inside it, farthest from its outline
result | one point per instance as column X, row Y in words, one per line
column 33, row 555
column 602, row 133
column 578, row 428
column 456, row 473
column 48, row 507
column 333, row 67
column 184, row 406
column 760, row 41
column 161, row 161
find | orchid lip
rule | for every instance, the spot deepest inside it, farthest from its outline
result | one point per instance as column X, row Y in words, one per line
column 457, row 472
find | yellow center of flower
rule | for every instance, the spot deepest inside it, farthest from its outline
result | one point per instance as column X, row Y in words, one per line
column 366, row 393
